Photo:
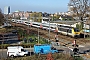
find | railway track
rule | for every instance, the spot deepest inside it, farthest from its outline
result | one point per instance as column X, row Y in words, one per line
column 64, row 40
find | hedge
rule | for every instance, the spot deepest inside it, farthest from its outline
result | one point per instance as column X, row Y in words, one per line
column 4, row 46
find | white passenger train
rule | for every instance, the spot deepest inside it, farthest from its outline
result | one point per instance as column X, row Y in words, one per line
column 61, row 28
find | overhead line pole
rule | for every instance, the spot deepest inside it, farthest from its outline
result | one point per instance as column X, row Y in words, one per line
column 38, row 35
column 49, row 29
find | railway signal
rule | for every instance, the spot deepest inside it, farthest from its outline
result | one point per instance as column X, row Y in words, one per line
column 75, row 49
column 56, row 37
column 74, row 44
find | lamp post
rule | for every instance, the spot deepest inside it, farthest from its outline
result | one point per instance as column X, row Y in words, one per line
column 28, row 25
column 49, row 29
column 84, row 29
column 2, row 43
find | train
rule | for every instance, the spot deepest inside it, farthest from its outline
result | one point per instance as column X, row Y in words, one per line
column 54, row 27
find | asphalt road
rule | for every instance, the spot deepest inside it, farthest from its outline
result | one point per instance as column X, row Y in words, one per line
column 82, row 50
column 3, row 52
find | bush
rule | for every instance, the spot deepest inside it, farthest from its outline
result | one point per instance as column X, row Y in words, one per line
column 4, row 46
column 56, row 56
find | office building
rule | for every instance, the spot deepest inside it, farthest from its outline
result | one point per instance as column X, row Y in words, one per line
column 7, row 10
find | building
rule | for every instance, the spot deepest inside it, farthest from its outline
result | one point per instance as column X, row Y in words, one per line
column 46, row 19
column 66, row 17
column 7, row 10
column 21, row 14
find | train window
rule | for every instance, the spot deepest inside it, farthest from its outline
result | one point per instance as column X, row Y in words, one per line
column 70, row 31
column 65, row 19
column 63, row 29
column 58, row 28
column 1, row 35
column 76, row 30
column 64, row 26
column 25, row 22
column 53, row 27
column 46, row 25
column 35, row 24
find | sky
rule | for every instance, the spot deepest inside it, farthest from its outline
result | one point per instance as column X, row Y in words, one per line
column 50, row 6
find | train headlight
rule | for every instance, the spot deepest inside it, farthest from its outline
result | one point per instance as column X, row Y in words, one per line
column 76, row 33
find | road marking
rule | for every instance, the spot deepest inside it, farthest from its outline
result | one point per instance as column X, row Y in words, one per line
column 81, row 46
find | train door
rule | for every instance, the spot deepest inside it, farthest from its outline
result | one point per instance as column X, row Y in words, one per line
column 70, row 32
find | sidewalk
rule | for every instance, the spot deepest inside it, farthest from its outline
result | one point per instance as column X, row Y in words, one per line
column 24, row 48
column 3, row 50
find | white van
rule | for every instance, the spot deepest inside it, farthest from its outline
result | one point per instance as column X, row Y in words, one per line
column 13, row 51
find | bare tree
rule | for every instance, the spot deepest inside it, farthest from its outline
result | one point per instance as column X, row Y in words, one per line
column 80, row 8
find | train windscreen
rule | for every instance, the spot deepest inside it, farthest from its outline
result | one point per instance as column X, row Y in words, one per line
column 76, row 30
